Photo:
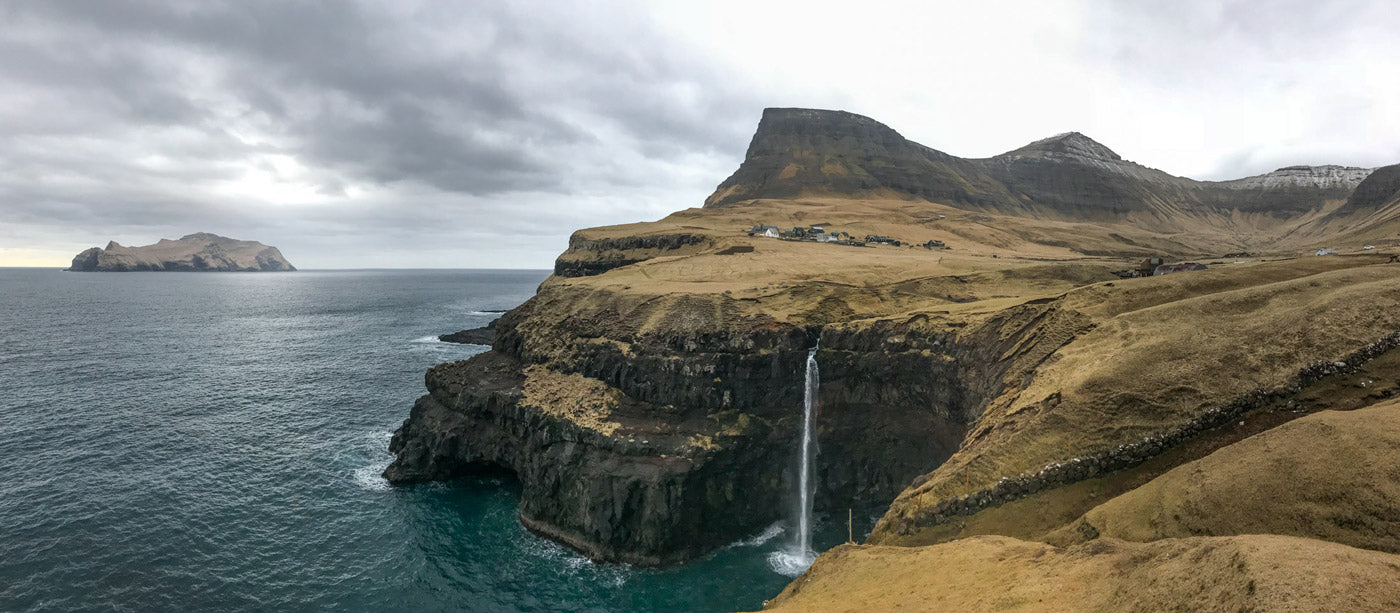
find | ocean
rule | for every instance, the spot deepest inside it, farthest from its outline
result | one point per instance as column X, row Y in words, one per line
column 188, row 441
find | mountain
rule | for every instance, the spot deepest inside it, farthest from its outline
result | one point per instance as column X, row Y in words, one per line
column 199, row 252
column 806, row 152
column 1378, row 189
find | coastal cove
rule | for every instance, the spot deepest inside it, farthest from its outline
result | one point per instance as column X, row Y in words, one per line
column 658, row 307
column 215, row 441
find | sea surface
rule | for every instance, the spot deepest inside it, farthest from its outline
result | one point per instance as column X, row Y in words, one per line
column 198, row 441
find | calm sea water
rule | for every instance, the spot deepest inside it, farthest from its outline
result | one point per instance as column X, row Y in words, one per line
column 214, row 441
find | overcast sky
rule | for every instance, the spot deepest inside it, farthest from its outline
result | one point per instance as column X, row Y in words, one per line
column 480, row 134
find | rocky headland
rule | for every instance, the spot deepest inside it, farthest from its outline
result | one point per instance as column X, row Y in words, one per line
column 200, row 252
column 485, row 335
column 993, row 393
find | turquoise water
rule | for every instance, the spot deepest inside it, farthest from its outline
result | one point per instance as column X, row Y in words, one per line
column 213, row 441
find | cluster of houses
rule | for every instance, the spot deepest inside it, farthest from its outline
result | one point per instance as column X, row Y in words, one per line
column 1153, row 267
column 1330, row 251
column 816, row 234
column 819, row 234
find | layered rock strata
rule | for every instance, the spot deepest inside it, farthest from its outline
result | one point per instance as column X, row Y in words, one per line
column 692, row 445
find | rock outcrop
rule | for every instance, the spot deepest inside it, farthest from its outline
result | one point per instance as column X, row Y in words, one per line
column 200, row 252
column 587, row 257
column 599, row 471
column 485, row 335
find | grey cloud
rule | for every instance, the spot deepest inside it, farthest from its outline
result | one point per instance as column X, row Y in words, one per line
column 364, row 90
column 130, row 114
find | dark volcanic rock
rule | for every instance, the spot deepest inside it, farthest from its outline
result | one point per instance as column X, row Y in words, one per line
column 87, row 260
column 647, row 496
column 485, row 335
column 708, row 423
column 586, row 257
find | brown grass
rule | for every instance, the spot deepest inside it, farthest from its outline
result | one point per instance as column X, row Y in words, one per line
column 1333, row 476
column 1152, row 363
column 576, row 398
column 991, row 573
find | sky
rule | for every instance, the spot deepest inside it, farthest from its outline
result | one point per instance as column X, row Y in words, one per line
column 481, row 134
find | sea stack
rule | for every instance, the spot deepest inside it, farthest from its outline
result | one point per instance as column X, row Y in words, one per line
column 199, row 252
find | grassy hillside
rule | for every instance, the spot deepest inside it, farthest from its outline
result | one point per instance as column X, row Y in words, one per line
column 1330, row 476
column 1242, row 573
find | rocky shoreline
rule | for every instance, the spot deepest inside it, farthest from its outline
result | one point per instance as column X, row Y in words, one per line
column 485, row 335
column 611, row 483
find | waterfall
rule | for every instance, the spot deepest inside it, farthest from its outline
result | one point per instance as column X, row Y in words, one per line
column 795, row 560
column 805, row 490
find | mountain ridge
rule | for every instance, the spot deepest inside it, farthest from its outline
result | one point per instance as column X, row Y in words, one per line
column 801, row 152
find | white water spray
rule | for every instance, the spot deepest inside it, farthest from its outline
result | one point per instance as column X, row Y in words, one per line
column 809, row 405
column 796, row 560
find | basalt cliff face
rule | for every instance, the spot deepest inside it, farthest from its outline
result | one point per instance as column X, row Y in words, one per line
column 200, row 252
column 652, row 444
column 998, row 379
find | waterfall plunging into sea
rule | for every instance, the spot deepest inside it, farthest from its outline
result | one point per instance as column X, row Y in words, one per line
column 796, row 559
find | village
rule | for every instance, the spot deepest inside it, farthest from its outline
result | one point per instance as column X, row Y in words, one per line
column 1148, row 267
column 819, row 234
column 1154, row 267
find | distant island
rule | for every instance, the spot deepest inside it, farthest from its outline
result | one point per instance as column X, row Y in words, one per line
column 199, row 252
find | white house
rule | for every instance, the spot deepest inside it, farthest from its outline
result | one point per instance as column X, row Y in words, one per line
column 765, row 231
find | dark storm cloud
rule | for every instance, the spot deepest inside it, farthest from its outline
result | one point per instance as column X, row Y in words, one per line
column 481, row 99
column 503, row 126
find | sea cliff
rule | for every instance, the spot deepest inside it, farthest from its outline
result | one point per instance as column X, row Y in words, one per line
column 988, row 373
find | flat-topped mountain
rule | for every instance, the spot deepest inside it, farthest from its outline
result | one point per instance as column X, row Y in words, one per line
column 199, row 252
column 806, row 152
